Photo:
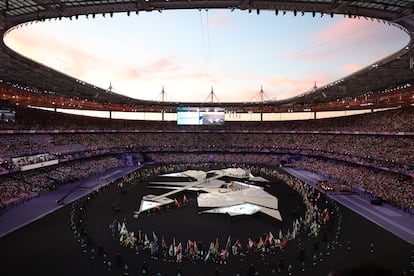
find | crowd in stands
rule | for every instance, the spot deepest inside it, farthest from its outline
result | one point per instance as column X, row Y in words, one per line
column 397, row 120
column 235, row 142
column 379, row 150
column 395, row 189
column 28, row 183
column 32, row 159
column 225, row 158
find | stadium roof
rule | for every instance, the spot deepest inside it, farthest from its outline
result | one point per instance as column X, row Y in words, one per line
column 390, row 72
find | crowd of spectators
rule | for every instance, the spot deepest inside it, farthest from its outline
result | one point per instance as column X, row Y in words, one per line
column 224, row 158
column 397, row 120
column 235, row 142
column 32, row 159
column 378, row 150
column 14, row 187
column 395, row 189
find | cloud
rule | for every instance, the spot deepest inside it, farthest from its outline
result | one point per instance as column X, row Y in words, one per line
column 349, row 45
column 350, row 36
column 55, row 54
column 350, row 68
column 220, row 19
column 95, row 68
column 282, row 87
column 245, row 85
column 161, row 65
column 349, row 29
column 131, row 74
column 344, row 35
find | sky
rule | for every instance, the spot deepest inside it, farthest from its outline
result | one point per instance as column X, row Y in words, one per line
column 190, row 53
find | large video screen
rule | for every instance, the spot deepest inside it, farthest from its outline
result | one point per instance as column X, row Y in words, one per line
column 200, row 116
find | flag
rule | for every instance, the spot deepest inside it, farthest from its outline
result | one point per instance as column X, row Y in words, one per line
column 154, row 236
column 211, row 248
column 130, row 239
column 223, row 255
column 190, row 243
column 216, row 247
column 295, row 229
column 280, row 235
column 195, row 247
column 171, row 251
column 154, row 247
column 123, row 230
column 327, row 217
column 207, row 256
column 250, row 244
column 260, row 244
column 188, row 249
column 163, row 244
column 266, row 241
column 288, row 236
column 271, row 238
column 228, row 244
column 238, row 244
column 139, row 236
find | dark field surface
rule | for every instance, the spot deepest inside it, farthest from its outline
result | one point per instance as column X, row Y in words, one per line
column 50, row 247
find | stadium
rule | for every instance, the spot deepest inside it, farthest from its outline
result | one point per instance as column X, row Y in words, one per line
column 222, row 188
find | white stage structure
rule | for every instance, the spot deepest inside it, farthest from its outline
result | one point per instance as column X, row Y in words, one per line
column 234, row 198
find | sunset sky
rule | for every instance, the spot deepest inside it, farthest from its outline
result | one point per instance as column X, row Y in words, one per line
column 189, row 52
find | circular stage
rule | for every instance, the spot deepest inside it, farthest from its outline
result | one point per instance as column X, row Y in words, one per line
column 277, row 244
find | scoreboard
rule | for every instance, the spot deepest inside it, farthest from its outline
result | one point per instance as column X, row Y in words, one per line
column 200, row 116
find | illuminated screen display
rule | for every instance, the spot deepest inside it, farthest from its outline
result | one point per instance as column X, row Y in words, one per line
column 200, row 116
